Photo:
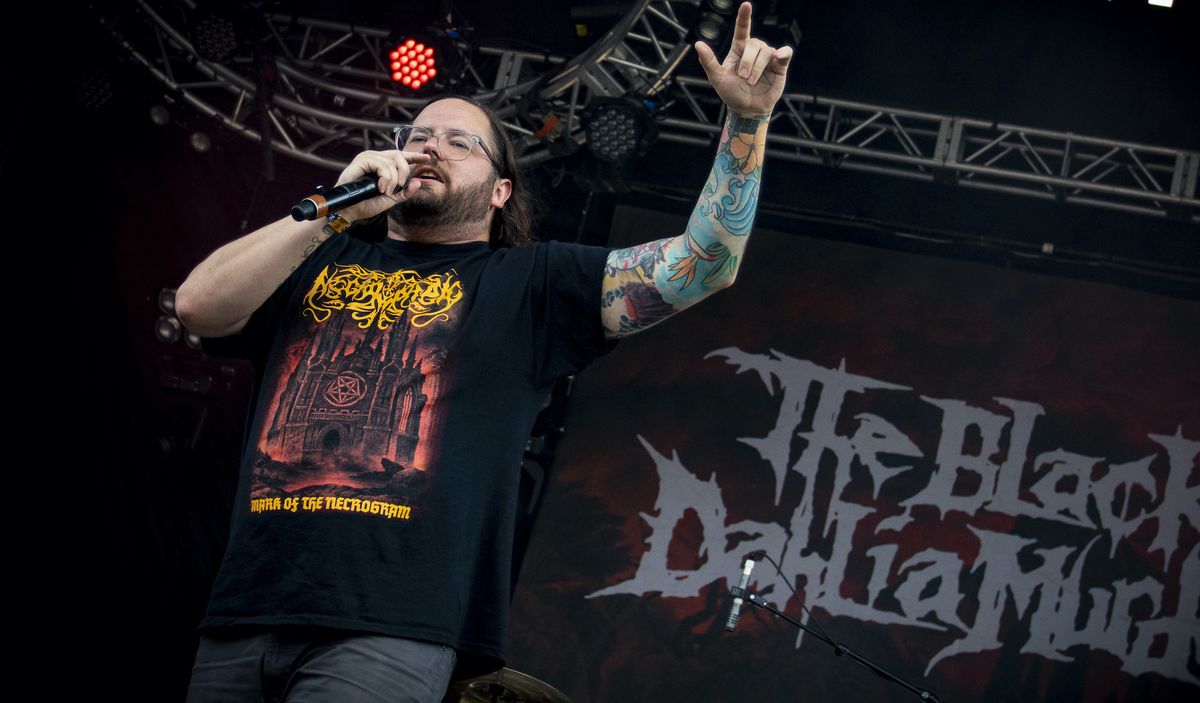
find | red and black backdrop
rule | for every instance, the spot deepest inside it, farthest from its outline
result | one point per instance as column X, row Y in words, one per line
column 984, row 480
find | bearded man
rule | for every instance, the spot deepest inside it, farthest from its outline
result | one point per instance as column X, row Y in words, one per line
column 398, row 380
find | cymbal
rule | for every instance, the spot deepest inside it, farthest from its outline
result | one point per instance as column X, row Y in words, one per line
column 506, row 686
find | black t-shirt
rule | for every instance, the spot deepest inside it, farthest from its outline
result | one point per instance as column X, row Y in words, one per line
column 398, row 383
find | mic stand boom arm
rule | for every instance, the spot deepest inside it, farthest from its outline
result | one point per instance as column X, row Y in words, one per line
column 838, row 649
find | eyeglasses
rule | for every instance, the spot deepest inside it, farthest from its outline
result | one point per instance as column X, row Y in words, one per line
column 453, row 144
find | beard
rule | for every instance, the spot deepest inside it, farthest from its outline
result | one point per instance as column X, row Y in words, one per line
column 456, row 207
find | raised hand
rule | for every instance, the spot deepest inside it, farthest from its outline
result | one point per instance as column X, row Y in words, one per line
column 750, row 80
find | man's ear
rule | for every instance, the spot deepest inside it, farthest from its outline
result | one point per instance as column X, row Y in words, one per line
column 501, row 192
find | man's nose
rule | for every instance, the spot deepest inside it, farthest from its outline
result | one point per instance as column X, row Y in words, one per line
column 431, row 147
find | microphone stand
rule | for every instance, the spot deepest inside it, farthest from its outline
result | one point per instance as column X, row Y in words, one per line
column 838, row 649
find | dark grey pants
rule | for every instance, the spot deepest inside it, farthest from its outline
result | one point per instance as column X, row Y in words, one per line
column 311, row 665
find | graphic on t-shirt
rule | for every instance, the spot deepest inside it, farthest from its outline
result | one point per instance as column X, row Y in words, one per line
column 352, row 410
column 380, row 299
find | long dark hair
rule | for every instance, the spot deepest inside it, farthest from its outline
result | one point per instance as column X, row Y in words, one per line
column 513, row 225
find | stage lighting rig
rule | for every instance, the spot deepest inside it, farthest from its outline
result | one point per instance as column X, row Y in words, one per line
column 215, row 38
column 438, row 55
column 619, row 129
column 712, row 24
column 414, row 61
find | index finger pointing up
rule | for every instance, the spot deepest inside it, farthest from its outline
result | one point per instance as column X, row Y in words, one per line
column 741, row 29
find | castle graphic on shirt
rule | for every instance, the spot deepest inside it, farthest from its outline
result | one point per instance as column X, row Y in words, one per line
column 352, row 412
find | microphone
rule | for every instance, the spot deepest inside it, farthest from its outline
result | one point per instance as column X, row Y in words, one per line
column 738, row 592
column 334, row 199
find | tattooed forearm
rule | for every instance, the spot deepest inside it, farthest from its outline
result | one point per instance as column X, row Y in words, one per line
column 736, row 210
column 706, row 257
column 648, row 283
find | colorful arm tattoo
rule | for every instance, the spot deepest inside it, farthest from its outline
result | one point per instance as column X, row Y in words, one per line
column 650, row 282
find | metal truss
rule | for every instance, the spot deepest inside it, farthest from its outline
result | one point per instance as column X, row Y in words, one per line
column 333, row 98
column 1036, row 163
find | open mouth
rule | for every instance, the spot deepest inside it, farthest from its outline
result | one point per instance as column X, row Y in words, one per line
column 428, row 175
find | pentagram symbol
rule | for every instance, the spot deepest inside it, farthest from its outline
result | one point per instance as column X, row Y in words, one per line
column 347, row 389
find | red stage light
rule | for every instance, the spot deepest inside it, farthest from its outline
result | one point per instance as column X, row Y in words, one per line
column 413, row 63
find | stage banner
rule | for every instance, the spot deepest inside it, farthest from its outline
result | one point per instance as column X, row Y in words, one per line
column 985, row 481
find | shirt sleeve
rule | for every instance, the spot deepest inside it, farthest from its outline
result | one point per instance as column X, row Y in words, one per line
column 567, row 324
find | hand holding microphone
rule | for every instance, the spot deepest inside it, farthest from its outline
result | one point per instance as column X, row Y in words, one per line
column 374, row 182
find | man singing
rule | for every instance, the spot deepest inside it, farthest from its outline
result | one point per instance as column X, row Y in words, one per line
column 397, row 382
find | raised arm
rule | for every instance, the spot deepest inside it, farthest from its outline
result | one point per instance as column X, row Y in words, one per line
column 650, row 282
